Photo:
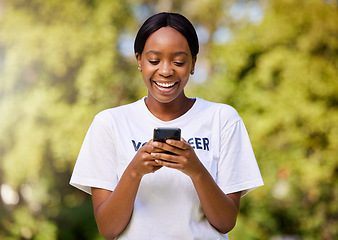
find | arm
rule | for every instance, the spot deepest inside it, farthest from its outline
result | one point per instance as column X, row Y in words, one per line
column 220, row 209
column 113, row 210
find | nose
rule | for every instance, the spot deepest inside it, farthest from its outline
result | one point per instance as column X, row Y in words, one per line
column 165, row 69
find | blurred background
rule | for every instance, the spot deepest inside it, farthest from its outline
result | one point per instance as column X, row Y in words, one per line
column 275, row 61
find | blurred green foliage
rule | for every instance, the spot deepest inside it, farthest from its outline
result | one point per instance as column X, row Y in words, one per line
column 61, row 62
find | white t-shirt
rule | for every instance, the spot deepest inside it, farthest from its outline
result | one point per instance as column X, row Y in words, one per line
column 167, row 205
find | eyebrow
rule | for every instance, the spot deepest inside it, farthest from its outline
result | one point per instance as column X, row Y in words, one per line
column 175, row 53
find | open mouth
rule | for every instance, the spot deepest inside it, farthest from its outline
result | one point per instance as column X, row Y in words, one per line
column 165, row 85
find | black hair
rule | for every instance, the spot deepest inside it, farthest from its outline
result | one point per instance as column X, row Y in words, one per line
column 165, row 19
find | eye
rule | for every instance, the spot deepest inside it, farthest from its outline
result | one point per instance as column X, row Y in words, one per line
column 179, row 64
column 153, row 62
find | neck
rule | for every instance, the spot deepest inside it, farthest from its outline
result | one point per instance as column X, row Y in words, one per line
column 171, row 110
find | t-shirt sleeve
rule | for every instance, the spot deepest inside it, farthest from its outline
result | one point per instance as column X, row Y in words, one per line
column 96, row 163
column 237, row 169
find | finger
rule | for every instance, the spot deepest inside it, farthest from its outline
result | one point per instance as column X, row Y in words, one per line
column 148, row 148
column 169, row 164
column 158, row 150
column 174, row 147
column 165, row 157
column 157, row 144
column 152, row 162
column 178, row 144
column 149, row 142
column 159, row 147
column 152, row 166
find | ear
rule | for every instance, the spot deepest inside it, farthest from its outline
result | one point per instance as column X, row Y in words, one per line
column 194, row 59
column 138, row 59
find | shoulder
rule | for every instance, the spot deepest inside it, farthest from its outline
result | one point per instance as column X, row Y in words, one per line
column 110, row 117
column 117, row 111
column 223, row 110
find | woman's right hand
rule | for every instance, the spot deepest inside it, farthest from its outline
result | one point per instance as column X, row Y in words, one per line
column 113, row 210
column 143, row 162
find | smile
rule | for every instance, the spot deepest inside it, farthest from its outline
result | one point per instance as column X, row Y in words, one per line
column 165, row 85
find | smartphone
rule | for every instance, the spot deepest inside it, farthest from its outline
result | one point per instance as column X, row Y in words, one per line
column 162, row 134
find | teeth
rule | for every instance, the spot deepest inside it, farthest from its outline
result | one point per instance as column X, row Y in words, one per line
column 165, row 85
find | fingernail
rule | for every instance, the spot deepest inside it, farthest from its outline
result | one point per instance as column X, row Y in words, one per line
column 168, row 141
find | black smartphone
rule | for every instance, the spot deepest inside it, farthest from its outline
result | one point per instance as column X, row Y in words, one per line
column 162, row 134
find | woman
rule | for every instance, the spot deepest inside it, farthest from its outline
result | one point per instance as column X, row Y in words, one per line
column 139, row 190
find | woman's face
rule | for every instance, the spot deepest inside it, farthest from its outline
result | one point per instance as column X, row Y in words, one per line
column 166, row 64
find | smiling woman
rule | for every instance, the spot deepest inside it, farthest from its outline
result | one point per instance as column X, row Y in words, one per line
column 166, row 66
column 196, row 185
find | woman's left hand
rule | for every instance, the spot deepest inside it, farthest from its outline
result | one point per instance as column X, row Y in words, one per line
column 221, row 210
column 183, row 158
